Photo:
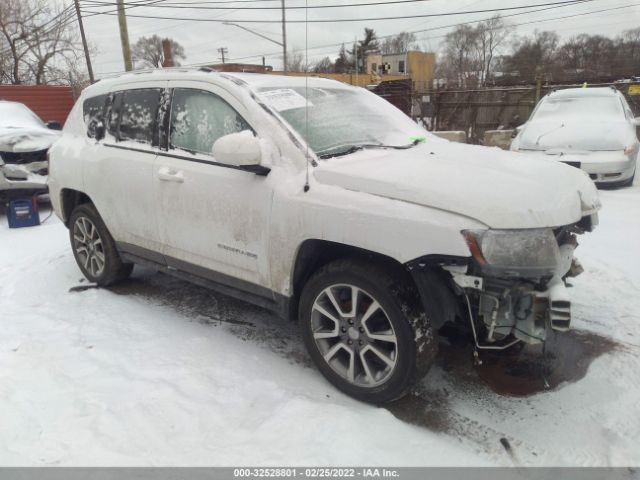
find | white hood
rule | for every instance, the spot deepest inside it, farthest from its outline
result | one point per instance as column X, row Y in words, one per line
column 573, row 134
column 26, row 139
column 500, row 189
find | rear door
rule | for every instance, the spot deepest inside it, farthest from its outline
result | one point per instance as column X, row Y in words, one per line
column 119, row 170
column 213, row 219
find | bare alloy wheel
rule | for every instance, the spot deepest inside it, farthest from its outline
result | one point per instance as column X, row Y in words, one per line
column 88, row 245
column 94, row 248
column 365, row 329
column 354, row 335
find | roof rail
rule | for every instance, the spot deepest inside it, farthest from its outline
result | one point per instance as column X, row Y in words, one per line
column 159, row 70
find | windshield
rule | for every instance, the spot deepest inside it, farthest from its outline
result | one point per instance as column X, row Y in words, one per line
column 583, row 107
column 340, row 119
column 16, row 115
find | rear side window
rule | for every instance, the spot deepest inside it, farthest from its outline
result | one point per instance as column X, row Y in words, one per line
column 199, row 118
column 93, row 112
column 138, row 114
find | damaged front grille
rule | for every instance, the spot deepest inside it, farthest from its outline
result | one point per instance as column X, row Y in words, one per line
column 560, row 315
column 23, row 158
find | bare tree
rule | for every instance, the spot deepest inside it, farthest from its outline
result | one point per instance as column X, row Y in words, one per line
column 296, row 61
column 491, row 36
column 148, row 50
column 458, row 63
column 323, row 66
column 534, row 57
column 399, row 43
column 37, row 39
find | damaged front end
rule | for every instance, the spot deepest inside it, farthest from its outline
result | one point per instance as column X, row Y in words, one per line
column 23, row 173
column 513, row 289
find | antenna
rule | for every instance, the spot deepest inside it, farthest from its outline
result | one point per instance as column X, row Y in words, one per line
column 306, row 91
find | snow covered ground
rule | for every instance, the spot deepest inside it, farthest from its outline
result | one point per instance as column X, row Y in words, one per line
column 159, row 372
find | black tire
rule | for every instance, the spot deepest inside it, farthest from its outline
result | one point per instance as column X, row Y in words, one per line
column 114, row 269
column 415, row 346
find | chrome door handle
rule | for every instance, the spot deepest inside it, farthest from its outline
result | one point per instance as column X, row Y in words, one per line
column 167, row 174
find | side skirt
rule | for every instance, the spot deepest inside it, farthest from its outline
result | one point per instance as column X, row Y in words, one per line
column 224, row 284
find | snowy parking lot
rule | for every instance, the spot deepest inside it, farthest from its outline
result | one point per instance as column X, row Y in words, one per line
column 156, row 371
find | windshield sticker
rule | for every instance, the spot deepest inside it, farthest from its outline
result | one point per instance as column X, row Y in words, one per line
column 284, row 99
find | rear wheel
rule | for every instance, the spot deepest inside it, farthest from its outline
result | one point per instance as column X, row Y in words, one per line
column 365, row 331
column 94, row 248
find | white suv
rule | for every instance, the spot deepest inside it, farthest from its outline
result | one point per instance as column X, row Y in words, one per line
column 323, row 203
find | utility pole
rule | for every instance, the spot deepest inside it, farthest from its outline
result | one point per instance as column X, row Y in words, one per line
column 222, row 51
column 84, row 42
column 284, row 38
column 355, row 51
column 124, row 37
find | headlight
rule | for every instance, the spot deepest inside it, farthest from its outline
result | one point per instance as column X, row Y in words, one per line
column 514, row 253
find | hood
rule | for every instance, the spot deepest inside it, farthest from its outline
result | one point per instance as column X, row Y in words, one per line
column 577, row 135
column 498, row 188
column 26, row 139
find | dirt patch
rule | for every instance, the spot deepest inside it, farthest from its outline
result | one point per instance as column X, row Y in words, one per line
column 529, row 369
column 518, row 372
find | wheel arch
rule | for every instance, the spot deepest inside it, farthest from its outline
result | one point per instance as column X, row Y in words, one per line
column 312, row 254
column 70, row 199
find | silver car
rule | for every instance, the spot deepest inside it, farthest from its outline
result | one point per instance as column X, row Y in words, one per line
column 24, row 142
column 588, row 128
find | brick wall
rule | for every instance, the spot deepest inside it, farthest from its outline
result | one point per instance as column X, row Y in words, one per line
column 49, row 102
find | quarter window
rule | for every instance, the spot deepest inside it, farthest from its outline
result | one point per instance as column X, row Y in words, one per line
column 93, row 112
column 138, row 114
column 199, row 118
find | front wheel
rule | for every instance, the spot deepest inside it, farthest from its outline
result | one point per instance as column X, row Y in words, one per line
column 94, row 249
column 365, row 331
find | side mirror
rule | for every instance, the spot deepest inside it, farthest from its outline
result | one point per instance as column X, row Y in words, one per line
column 516, row 131
column 240, row 149
column 53, row 125
column 636, row 121
column 96, row 129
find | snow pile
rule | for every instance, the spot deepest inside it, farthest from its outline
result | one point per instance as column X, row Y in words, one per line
column 97, row 378
column 142, row 375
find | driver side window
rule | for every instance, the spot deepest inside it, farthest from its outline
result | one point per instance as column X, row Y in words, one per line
column 199, row 118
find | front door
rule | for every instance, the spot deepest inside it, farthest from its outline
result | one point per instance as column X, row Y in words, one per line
column 213, row 220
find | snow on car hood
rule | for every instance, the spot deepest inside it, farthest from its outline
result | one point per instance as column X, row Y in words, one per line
column 578, row 135
column 498, row 188
column 26, row 139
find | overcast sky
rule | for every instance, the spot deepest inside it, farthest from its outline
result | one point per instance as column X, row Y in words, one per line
column 202, row 39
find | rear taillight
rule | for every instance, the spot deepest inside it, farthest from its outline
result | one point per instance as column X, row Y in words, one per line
column 629, row 151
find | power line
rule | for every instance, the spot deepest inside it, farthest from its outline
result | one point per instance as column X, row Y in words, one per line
column 333, row 45
column 326, row 46
column 295, row 7
column 342, row 20
column 68, row 14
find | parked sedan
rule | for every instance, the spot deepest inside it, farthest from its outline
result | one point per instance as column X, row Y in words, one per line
column 24, row 141
column 589, row 128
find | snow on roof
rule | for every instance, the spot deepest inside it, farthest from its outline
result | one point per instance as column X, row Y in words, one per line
column 585, row 92
column 261, row 80
column 255, row 81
